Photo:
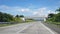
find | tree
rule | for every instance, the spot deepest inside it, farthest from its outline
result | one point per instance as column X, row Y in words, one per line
column 21, row 15
column 17, row 16
column 57, row 17
column 58, row 10
column 4, row 17
column 51, row 15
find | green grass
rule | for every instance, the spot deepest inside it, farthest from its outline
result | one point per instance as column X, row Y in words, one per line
column 55, row 23
column 1, row 25
column 27, row 21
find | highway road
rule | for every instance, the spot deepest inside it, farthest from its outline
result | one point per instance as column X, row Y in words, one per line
column 27, row 28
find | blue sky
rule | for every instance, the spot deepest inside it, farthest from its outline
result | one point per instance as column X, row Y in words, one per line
column 29, row 7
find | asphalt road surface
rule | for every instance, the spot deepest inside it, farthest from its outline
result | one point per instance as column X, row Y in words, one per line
column 27, row 28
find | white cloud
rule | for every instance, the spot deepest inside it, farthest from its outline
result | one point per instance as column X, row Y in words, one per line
column 34, row 13
column 25, row 10
column 7, row 8
column 50, row 11
column 3, row 7
column 42, row 12
column 42, row 9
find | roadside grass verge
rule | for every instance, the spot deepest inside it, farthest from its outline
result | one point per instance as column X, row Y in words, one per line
column 1, row 25
column 55, row 23
column 8, row 24
column 29, row 20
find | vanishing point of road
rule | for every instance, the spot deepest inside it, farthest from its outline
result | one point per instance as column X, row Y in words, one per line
column 27, row 28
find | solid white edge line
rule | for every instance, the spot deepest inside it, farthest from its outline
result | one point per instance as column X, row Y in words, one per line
column 53, row 32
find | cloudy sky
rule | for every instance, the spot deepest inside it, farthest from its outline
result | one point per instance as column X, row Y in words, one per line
column 29, row 7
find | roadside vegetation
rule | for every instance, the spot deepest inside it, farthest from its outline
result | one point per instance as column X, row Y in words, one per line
column 10, row 19
column 29, row 20
column 4, row 17
column 54, row 18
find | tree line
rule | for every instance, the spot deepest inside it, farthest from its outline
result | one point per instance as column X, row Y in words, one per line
column 54, row 17
column 4, row 17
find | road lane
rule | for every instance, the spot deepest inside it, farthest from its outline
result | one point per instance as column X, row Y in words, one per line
column 27, row 28
column 38, row 28
column 14, row 29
